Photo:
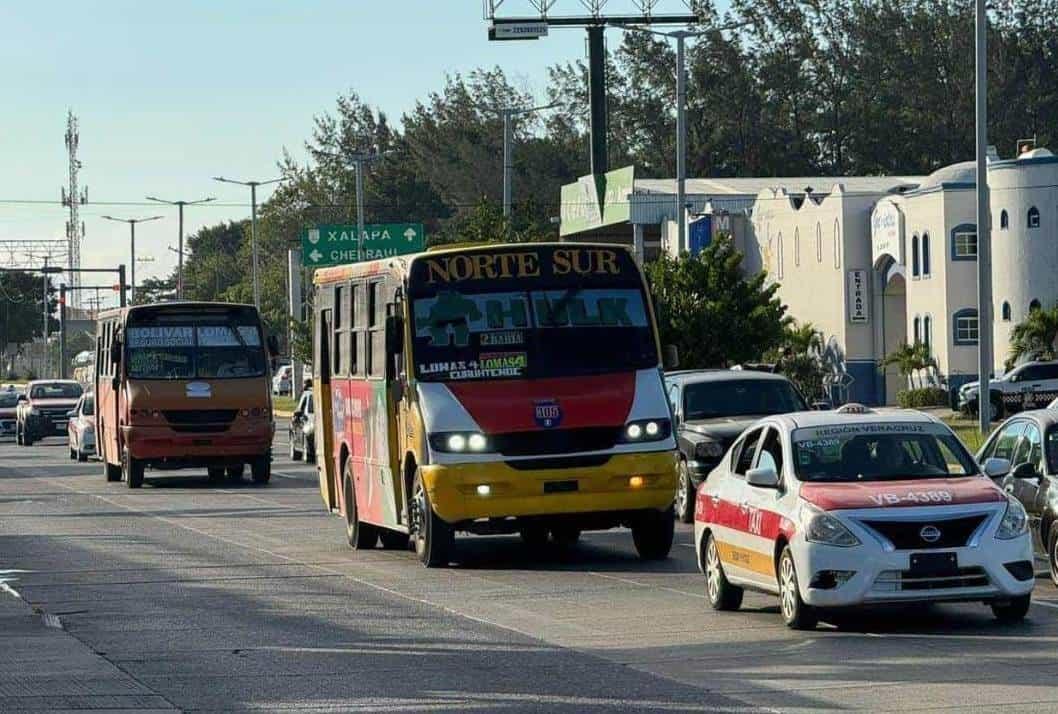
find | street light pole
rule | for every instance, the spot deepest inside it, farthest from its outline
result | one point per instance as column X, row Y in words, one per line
column 508, row 148
column 253, row 227
column 984, row 228
column 132, row 231
column 180, row 255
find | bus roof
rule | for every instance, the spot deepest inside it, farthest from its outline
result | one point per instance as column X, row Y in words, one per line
column 402, row 263
column 181, row 305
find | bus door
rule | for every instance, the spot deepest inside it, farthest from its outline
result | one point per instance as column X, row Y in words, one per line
column 321, row 388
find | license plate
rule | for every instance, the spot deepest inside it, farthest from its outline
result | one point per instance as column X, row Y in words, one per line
column 560, row 486
column 934, row 565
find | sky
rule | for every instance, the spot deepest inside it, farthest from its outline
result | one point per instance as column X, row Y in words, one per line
column 170, row 94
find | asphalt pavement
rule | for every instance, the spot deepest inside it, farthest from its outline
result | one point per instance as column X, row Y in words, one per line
column 188, row 597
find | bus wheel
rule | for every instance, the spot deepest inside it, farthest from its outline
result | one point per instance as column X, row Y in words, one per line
column 134, row 469
column 393, row 540
column 215, row 474
column 361, row 536
column 652, row 533
column 111, row 471
column 434, row 538
column 260, row 469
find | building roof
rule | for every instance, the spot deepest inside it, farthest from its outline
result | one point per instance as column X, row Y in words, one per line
column 752, row 186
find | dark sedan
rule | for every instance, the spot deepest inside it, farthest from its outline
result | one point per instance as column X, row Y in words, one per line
column 711, row 408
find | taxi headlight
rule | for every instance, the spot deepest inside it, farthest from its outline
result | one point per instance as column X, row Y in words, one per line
column 821, row 527
column 1015, row 521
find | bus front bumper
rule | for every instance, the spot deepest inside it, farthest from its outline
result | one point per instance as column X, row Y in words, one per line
column 158, row 443
column 626, row 482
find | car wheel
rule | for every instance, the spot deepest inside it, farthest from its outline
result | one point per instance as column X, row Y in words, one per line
column 295, row 454
column 684, row 495
column 652, row 533
column 1012, row 610
column 1052, row 552
column 260, row 469
column 795, row 612
column 361, row 536
column 722, row 594
column 434, row 538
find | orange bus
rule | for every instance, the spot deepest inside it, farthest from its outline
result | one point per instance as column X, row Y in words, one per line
column 492, row 389
column 183, row 385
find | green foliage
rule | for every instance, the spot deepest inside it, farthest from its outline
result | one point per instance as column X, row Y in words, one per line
column 714, row 314
column 923, row 397
column 1035, row 337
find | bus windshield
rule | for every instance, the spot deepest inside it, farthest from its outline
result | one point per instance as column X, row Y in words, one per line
column 498, row 324
column 189, row 351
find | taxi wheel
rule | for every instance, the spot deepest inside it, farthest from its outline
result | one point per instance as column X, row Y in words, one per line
column 434, row 538
column 722, row 594
column 795, row 613
column 684, row 495
column 652, row 533
column 361, row 536
column 1012, row 610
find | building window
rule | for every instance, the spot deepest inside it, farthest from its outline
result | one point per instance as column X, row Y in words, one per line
column 797, row 247
column 1005, row 311
column 819, row 243
column 925, row 254
column 1004, row 220
column 1034, row 217
column 917, row 330
column 965, row 326
column 1034, row 306
column 837, row 246
column 964, row 242
column 914, row 257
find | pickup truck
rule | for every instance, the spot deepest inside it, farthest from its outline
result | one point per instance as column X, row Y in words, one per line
column 43, row 410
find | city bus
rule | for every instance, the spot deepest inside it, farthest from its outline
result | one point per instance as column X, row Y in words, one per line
column 492, row 389
column 183, row 385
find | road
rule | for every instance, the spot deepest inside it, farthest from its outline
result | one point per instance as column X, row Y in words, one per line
column 247, row 598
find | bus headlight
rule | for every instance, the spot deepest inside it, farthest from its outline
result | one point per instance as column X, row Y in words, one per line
column 460, row 442
column 646, row 430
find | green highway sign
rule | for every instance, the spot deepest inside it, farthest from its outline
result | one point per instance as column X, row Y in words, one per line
column 336, row 244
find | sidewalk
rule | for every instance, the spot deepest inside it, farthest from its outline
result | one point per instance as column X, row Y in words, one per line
column 44, row 668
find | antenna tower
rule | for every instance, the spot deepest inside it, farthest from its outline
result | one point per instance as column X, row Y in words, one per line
column 73, row 197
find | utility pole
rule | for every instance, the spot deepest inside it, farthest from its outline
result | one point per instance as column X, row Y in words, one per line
column 132, row 230
column 180, row 251
column 508, row 148
column 253, row 227
column 984, row 228
column 73, row 197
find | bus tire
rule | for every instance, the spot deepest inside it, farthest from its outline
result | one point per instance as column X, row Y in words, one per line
column 393, row 540
column 652, row 533
column 111, row 471
column 215, row 474
column 134, row 470
column 260, row 469
column 361, row 536
column 434, row 538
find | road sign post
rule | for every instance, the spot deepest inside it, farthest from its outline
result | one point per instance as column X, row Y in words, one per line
column 336, row 244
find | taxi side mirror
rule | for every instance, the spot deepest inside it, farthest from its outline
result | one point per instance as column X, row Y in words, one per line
column 996, row 468
column 764, row 477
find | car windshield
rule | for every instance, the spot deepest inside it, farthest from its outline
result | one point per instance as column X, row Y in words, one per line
column 55, row 390
column 8, row 399
column 879, row 452
column 194, row 351
column 740, row 397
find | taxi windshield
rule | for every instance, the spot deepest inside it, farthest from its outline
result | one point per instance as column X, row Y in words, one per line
column 879, row 452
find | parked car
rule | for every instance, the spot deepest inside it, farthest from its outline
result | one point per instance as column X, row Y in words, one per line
column 8, row 408
column 302, row 431
column 711, row 408
column 838, row 509
column 81, row 429
column 42, row 410
column 1026, row 447
column 281, row 382
column 1028, row 386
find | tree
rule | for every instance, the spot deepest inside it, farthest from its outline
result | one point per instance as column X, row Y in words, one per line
column 909, row 359
column 1035, row 337
column 710, row 311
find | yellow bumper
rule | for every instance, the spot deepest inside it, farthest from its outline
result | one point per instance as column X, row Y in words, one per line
column 454, row 493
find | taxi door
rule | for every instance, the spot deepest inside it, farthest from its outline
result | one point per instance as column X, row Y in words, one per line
column 763, row 511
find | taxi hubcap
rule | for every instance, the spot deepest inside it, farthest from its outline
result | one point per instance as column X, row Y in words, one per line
column 712, row 571
column 788, row 586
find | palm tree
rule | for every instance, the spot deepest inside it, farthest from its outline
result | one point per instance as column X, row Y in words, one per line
column 909, row 359
column 1035, row 337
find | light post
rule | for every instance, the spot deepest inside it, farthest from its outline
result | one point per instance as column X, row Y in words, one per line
column 253, row 227
column 984, row 228
column 180, row 255
column 132, row 231
column 508, row 148
column 681, row 121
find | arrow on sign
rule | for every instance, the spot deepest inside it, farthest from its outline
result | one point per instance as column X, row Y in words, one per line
column 315, row 256
column 410, row 234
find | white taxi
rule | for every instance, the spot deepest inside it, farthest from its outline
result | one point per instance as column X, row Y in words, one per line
column 843, row 508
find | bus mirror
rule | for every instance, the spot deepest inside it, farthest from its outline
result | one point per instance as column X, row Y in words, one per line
column 671, row 357
column 273, row 345
column 394, row 335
